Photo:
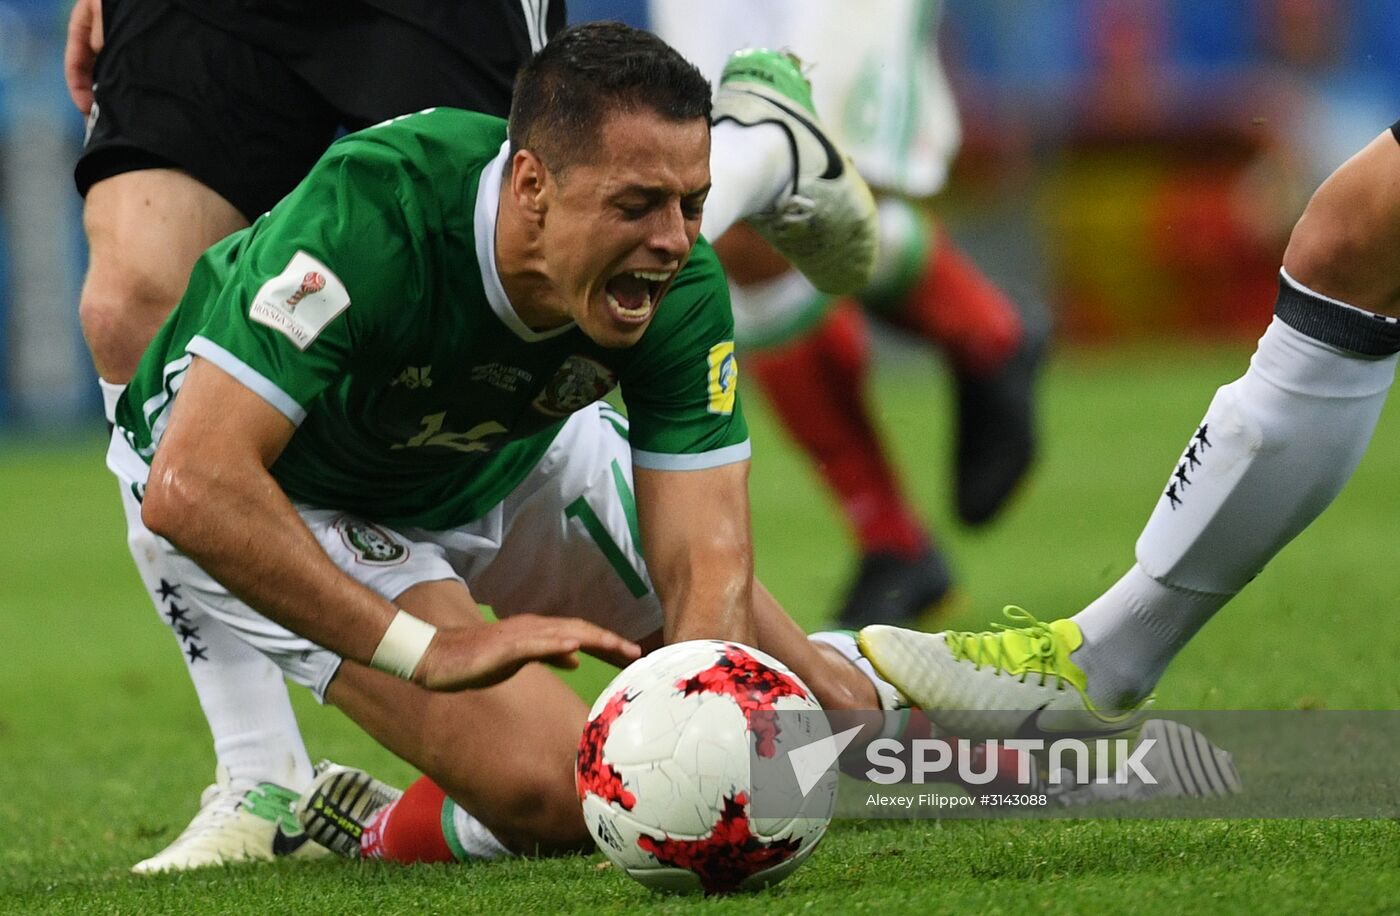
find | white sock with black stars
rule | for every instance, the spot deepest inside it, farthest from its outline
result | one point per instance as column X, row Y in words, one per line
column 1274, row 449
column 242, row 693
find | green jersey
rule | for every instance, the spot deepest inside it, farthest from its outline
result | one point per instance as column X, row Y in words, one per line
column 367, row 307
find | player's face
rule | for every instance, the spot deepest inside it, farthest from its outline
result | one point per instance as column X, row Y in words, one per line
column 621, row 226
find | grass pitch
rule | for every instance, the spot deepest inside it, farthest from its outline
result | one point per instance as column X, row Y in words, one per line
column 103, row 750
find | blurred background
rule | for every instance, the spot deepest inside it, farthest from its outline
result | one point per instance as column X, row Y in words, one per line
column 1133, row 164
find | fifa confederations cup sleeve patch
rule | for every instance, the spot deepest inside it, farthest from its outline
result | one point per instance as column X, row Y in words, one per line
column 300, row 301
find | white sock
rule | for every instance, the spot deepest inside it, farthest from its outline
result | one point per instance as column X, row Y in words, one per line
column 844, row 641
column 1133, row 631
column 1274, row 449
column 749, row 168
column 472, row 840
column 111, row 391
column 242, row 693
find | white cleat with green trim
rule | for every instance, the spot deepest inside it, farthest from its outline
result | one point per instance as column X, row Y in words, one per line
column 824, row 223
column 233, row 827
column 1011, row 681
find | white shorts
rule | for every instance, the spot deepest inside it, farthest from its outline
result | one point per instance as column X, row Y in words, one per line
column 876, row 78
column 564, row 543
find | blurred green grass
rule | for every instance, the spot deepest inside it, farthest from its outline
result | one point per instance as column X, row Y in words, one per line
column 103, row 749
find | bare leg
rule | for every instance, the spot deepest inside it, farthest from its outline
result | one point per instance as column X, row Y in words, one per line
column 837, row 683
column 1346, row 245
column 145, row 230
column 504, row 753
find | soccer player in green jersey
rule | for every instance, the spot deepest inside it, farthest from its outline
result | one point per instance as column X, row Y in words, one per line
column 200, row 116
column 171, row 165
column 375, row 407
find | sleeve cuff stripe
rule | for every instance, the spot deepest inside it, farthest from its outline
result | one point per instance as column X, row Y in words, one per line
column 255, row 381
column 661, row 461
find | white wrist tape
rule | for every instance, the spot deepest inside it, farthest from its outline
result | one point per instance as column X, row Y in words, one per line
column 403, row 645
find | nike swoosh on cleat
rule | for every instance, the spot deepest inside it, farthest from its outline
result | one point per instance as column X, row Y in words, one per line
column 284, row 844
column 834, row 166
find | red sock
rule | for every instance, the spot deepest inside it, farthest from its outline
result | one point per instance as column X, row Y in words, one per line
column 816, row 386
column 956, row 307
column 410, row 830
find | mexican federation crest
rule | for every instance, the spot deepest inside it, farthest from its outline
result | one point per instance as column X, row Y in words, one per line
column 370, row 543
column 578, row 382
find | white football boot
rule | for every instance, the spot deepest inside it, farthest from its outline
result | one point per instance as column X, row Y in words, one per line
column 340, row 803
column 232, row 826
column 824, row 222
column 1012, row 681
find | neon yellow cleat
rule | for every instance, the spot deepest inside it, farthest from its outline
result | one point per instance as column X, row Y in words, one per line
column 1014, row 680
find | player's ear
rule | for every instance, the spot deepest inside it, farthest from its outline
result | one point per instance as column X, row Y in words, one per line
column 529, row 183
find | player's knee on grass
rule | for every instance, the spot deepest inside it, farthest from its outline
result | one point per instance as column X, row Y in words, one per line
column 531, row 813
column 523, row 789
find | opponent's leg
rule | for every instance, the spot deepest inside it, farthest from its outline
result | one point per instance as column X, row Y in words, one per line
column 1274, row 449
column 926, row 286
column 145, row 230
column 1346, row 245
column 816, row 385
column 262, row 765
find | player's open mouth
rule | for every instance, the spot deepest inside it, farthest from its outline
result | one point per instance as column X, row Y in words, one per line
column 632, row 295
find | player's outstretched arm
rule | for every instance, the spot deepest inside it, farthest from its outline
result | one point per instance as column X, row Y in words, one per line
column 462, row 658
column 210, row 494
column 699, row 548
column 80, row 51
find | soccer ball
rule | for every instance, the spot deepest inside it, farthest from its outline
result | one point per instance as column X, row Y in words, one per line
column 664, row 769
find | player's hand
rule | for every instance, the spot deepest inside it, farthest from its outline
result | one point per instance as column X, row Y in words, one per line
column 460, row 658
column 80, row 52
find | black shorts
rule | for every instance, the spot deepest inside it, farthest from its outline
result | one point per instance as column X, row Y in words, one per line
column 248, row 117
column 1395, row 131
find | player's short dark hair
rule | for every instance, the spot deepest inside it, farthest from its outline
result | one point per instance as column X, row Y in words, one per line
column 589, row 72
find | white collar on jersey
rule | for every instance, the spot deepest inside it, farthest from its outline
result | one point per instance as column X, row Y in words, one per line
column 488, row 202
